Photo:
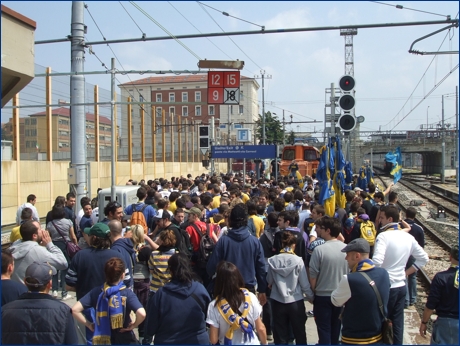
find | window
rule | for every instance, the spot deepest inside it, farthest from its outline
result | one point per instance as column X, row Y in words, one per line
column 241, row 96
column 240, row 110
column 185, row 97
column 158, row 110
column 141, row 98
column 198, row 96
column 172, row 97
column 211, row 110
column 33, row 121
column 184, row 111
column 158, row 97
column 197, row 111
column 172, row 110
column 27, row 121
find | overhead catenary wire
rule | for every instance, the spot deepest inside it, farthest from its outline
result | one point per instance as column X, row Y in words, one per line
column 165, row 30
column 229, row 15
column 411, row 9
column 415, row 88
column 142, row 32
column 229, row 36
column 433, row 89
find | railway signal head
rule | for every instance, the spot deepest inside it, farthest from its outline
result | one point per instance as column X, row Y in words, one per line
column 347, row 122
column 347, row 102
column 347, row 83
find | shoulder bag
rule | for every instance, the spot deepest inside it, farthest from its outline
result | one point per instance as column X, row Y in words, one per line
column 72, row 248
column 387, row 325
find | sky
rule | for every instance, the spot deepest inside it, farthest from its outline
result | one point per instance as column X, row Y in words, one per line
column 395, row 90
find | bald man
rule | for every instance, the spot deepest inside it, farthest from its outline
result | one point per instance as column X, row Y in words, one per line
column 124, row 246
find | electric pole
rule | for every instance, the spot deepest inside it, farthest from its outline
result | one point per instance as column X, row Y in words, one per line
column 78, row 168
column 262, row 73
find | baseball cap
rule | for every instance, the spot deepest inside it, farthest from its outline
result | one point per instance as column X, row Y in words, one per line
column 196, row 211
column 163, row 214
column 41, row 271
column 248, row 185
column 359, row 245
column 100, row 230
column 358, row 189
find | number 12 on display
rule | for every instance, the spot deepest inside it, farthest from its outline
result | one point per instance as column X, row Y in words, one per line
column 223, row 87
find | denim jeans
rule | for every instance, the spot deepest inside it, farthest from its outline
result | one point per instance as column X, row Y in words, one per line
column 327, row 320
column 148, row 338
column 287, row 315
column 61, row 273
column 396, row 312
column 445, row 331
column 411, row 295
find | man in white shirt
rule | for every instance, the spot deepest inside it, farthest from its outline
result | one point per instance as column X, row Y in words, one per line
column 391, row 252
column 31, row 200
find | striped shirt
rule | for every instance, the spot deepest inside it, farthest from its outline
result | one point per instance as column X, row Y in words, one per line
column 158, row 266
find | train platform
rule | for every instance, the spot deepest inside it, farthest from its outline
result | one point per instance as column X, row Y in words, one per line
column 411, row 327
column 449, row 190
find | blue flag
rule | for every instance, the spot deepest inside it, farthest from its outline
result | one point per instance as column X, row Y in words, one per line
column 396, row 159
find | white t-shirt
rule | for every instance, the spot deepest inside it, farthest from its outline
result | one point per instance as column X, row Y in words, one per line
column 215, row 319
column 313, row 232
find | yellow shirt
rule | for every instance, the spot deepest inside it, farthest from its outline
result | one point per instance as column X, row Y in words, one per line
column 259, row 223
column 244, row 197
column 172, row 207
column 15, row 234
column 215, row 202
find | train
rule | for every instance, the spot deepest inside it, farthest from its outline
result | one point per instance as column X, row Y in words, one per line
column 306, row 156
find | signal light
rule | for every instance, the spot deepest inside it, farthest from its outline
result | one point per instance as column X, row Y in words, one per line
column 347, row 122
column 347, row 83
column 204, row 136
column 347, row 102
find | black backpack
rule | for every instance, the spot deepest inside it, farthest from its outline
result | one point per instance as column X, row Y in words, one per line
column 205, row 248
column 185, row 244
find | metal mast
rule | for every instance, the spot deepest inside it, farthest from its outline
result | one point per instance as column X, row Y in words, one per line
column 350, row 70
column 77, row 112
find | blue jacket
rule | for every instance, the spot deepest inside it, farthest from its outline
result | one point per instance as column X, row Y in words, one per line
column 243, row 250
column 174, row 316
column 126, row 249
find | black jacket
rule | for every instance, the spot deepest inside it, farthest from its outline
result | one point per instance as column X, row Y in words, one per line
column 38, row 318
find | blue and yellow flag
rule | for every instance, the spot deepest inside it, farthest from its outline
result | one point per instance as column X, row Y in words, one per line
column 396, row 159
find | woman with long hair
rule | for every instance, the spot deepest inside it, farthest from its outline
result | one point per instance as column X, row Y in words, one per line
column 235, row 314
column 288, row 280
column 113, row 303
column 158, row 262
column 177, row 312
column 61, row 231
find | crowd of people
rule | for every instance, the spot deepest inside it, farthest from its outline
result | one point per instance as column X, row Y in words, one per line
column 220, row 259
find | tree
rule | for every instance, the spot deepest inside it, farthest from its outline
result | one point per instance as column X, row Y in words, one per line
column 273, row 129
column 291, row 138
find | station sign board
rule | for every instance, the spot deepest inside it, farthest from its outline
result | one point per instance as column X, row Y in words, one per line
column 243, row 151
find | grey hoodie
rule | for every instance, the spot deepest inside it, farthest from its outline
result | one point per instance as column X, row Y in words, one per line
column 26, row 252
column 288, row 277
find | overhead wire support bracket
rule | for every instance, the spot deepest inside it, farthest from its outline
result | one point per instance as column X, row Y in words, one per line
column 453, row 25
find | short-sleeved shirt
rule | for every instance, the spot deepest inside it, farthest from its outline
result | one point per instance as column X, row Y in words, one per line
column 64, row 226
column 132, row 304
column 215, row 319
column 11, row 290
column 259, row 223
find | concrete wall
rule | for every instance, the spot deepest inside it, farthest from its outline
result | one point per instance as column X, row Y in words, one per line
column 47, row 180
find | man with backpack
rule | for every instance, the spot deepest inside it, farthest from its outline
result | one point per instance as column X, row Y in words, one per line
column 183, row 244
column 364, row 228
column 141, row 213
column 202, row 239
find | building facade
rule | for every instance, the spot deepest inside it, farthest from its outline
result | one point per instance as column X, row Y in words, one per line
column 33, row 132
column 183, row 100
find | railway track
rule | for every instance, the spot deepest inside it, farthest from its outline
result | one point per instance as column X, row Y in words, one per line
column 439, row 246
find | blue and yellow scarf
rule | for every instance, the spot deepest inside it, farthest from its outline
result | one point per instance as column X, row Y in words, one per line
column 236, row 321
column 110, row 311
column 363, row 266
column 287, row 250
column 456, row 275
